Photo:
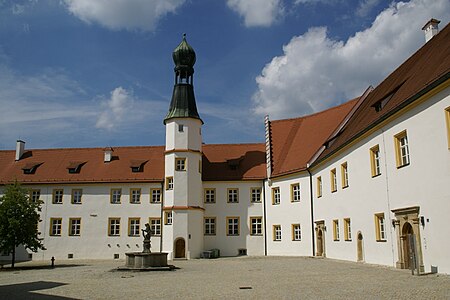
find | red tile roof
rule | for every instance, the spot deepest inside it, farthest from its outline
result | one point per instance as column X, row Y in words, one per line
column 424, row 70
column 295, row 141
column 234, row 162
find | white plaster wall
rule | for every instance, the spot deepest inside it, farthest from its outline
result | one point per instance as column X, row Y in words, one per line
column 423, row 183
column 94, row 242
column 189, row 138
column 287, row 213
column 229, row 245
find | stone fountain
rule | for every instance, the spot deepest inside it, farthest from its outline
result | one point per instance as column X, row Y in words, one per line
column 146, row 260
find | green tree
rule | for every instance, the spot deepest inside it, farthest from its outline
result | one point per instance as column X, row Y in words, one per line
column 19, row 217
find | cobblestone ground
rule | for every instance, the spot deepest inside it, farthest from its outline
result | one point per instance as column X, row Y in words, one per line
column 235, row 278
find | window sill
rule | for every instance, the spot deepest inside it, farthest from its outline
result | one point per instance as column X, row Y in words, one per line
column 275, row 203
column 232, row 234
column 77, row 203
column 295, row 201
column 402, row 166
column 209, row 234
column 277, row 240
column 382, row 241
column 115, row 202
column 135, row 202
column 348, row 240
column 333, row 191
column 256, row 234
column 376, row 175
column 155, row 202
column 335, row 240
column 345, row 186
column 296, row 240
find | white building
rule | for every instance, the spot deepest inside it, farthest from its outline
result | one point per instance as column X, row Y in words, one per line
column 364, row 181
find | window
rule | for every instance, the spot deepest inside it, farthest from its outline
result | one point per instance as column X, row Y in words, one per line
column 336, row 230
column 401, row 149
column 135, row 196
column 256, row 195
column 74, row 226
column 296, row 232
column 380, row 227
column 55, row 226
column 255, row 225
column 347, row 229
column 375, row 160
column 58, row 196
column 200, row 166
column 277, row 232
column 168, row 217
column 210, row 195
column 76, row 196
column 35, row 195
column 233, row 195
column 115, row 196
column 180, row 164
column 344, row 175
column 447, row 120
column 319, row 187
column 134, row 226
column 295, row 192
column 114, row 226
column 210, row 226
column 180, row 127
column 155, row 225
column 232, row 225
column 275, row 195
column 155, row 195
column 333, row 180
column 169, row 183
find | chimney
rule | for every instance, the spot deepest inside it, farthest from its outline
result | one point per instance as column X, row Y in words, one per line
column 20, row 149
column 431, row 29
column 108, row 154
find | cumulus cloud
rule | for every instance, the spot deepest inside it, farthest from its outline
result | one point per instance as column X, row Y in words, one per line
column 115, row 107
column 123, row 14
column 365, row 6
column 257, row 12
column 316, row 71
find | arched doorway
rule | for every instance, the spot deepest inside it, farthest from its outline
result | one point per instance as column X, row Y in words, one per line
column 359, row 246
column 320, row 247
column 407, row 236
column 180, row 248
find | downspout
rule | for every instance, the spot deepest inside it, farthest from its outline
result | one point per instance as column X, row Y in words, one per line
column 312, row 210
column 264, row 216
column 162, row 217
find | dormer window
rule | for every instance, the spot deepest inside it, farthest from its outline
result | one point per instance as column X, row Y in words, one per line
column 380, row 104
column 75, row 167
column 30, row 168
column 234, row 163
column 137, row 165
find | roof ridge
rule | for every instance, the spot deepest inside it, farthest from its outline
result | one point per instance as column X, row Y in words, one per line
column 81, row 148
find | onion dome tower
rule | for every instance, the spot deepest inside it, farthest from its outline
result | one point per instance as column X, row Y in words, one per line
column 183, row 99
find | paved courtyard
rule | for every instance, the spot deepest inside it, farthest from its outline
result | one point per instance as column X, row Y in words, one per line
column 235, row 278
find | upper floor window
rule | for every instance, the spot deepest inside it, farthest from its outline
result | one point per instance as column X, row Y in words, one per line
column 233, row 195
column 58, row 196
column 256, row 226
column 333, row 180
column 115, row 195
column 169, row 217
column 447, row 120
column 401, row 149
column 319, row 187
column 180, row 128
column 344, row 175
column 169, row 183
column 375, row 160
column 155, row 195
column 380, row 227
column 276, row 196
column 35, row 195
column 76, row 196
column 210, row 195
column 135, row 196
column 255, row 194
column 180, row 164
column 295, row 192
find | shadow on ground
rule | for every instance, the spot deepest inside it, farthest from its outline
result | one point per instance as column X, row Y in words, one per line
column 38, row 267
column 27, row 290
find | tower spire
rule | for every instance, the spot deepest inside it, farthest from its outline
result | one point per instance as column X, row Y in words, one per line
column 183, row 103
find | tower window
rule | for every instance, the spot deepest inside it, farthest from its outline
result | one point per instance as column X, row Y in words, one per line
column 180, row 128
column 180, row 164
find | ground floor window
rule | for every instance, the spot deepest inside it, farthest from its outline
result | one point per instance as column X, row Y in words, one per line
column 114, row 226
column 134, row 225
column 277, row 232
column 155, row 225
column 210, row 226
column 232, row 225
column 55, row 226
column 296, row 232
column 74, row 226
column 256, row 225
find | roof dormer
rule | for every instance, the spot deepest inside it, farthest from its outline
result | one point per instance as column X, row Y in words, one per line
column 74, row 167
column 137, row 165
column 30, row 168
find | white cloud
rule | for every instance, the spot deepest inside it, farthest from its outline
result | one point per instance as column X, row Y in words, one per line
column 317, row 72
column 257, row 12
column 365, row 6
column 123, row 14
column 121, row 100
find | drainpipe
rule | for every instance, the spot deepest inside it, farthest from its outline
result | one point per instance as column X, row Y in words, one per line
column 312, row 210
column 264, row 216
column 162, row 217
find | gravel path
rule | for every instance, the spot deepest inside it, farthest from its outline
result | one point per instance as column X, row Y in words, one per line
column 235, row 278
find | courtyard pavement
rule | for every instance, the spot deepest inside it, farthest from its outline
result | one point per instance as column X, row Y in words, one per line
column 231, row 278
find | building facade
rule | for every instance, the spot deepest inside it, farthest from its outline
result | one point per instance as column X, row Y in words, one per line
column 363, row 181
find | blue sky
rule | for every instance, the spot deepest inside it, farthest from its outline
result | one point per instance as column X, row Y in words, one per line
column 96, row 73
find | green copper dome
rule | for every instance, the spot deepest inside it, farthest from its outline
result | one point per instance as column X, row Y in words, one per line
column 184, row 54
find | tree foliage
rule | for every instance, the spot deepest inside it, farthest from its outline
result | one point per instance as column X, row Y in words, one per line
column 19, row 218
